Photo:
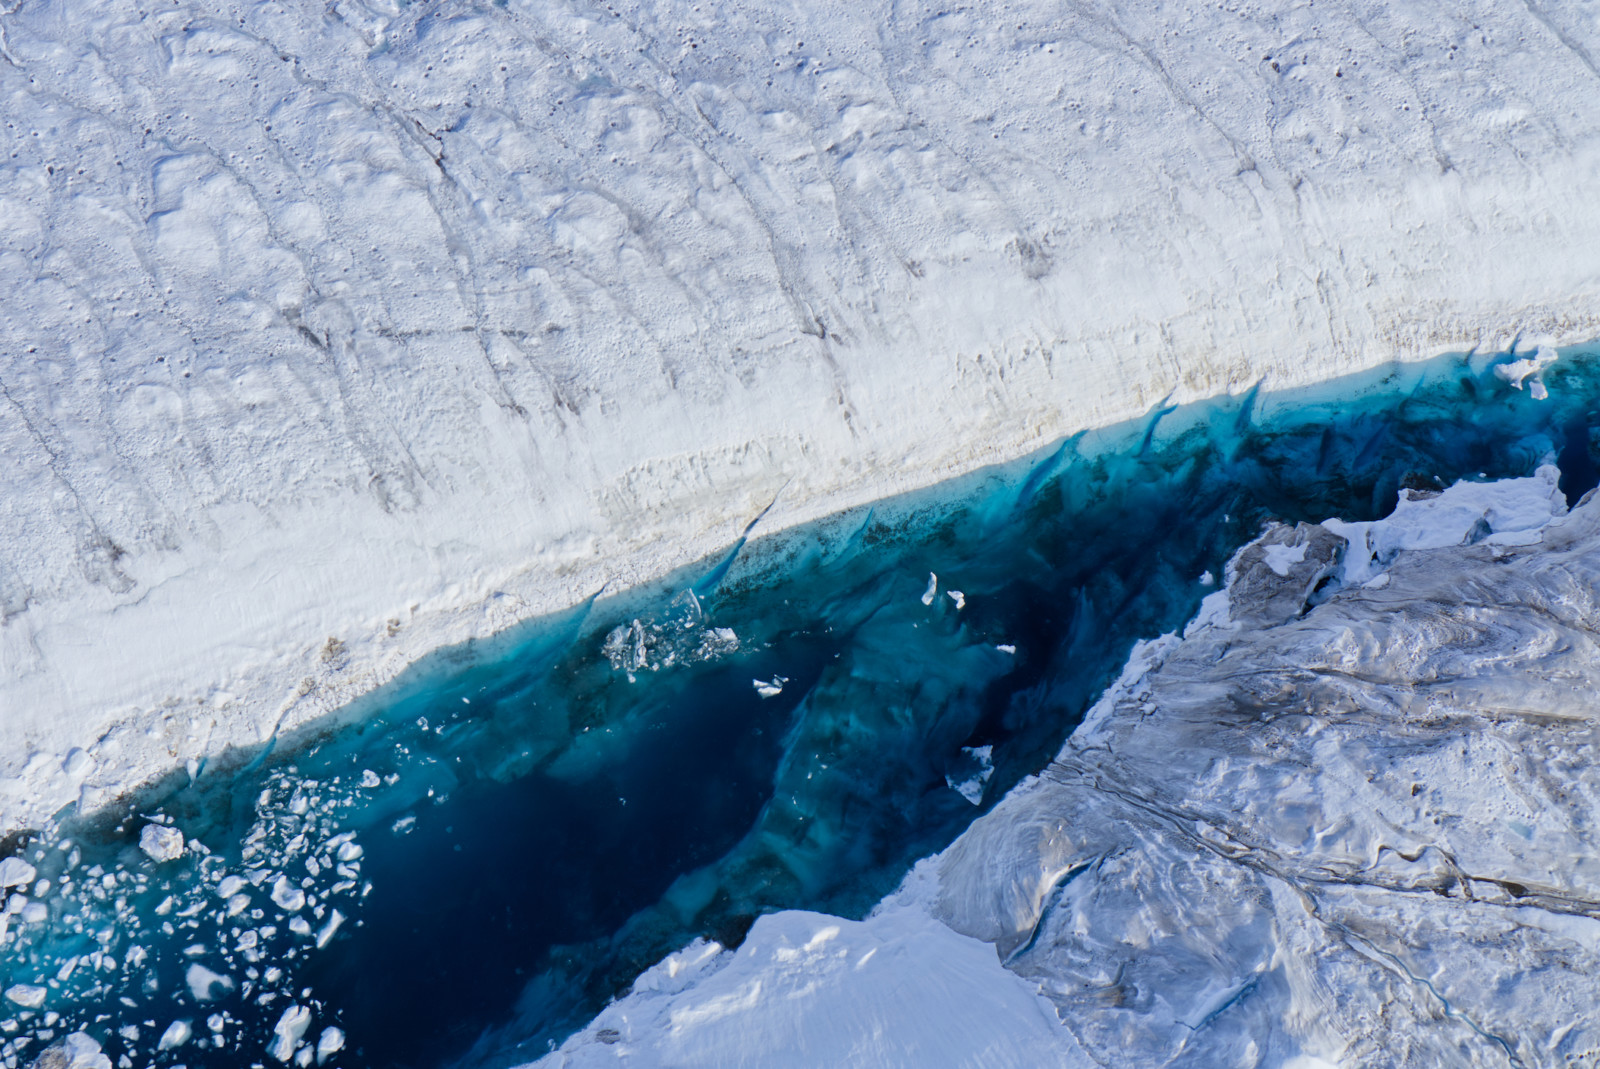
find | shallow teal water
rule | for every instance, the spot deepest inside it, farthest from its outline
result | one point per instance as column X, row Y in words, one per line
column 509, row 841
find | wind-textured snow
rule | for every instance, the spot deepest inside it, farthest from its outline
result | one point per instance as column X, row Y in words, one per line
column 1356, row 834
column 335, row 333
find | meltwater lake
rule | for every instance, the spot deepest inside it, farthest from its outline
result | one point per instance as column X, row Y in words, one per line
column 508, row 835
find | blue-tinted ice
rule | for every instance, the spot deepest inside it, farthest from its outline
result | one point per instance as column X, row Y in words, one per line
column 510, row 835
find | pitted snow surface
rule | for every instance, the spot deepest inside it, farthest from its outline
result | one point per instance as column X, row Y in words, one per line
column 333, row 334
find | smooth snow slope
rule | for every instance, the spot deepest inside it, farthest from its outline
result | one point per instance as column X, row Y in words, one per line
column 1357, row 835
column 334, row 333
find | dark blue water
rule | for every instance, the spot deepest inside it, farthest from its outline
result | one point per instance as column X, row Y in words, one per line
column 532, row 822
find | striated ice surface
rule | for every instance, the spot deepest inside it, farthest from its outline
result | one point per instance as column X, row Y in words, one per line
column 1335, row 822
column 335, row 334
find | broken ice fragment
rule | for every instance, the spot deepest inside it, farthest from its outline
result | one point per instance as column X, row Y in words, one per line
column 176, row 1035
column 161, row 843
column 1517, row 371
column 206, row 985
column 958, row 597
column 334, row 920
column 290, row 1027
column 330, row 1043
column 14, row 871
column 933, row 589
column 27, row 995
column 77, row 1051
column 978, row 768
column 772, row 689
column 288, row 897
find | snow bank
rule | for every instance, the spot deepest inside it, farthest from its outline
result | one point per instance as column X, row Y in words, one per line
column 335, row 334
column 806, row 989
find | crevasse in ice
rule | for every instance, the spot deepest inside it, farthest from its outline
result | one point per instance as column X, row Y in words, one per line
column 507, row 839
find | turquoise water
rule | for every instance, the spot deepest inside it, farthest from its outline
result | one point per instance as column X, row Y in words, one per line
column 508, row 836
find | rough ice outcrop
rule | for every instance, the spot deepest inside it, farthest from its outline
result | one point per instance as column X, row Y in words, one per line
column 1360, row 832
column 1337, row 822
column 336, row 333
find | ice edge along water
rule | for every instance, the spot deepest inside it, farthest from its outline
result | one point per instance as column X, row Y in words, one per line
column 341, row 335
column 911, row 985
column 1186, row 466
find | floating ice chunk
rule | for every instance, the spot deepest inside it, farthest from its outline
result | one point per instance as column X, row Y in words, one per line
column 979, row 767
column 331, row 1042
column 958, row 597
column 299, row 925
column 370, row 778
column 1006, row 647
column 230, row 886
column 206, row 985
column 14, row 872
column 1519, row 371
column 29, row 996
column 288, row 897
column 16, row 903
column 176, row 1035
column 35, row 913
column 772, row 689
column 933, row 589
column 332, row 926
column 1207, row 579
column 161, row 842
column 349, row 852
column 289, row 1029
column 76, row 1051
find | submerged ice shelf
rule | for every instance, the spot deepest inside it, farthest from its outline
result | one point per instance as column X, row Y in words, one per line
column 504, row 843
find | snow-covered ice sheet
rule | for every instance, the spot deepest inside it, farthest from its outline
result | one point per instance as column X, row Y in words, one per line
column 333, row 334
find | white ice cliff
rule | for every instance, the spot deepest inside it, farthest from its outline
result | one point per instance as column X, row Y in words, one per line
column 335, row 333
column 1359, row 834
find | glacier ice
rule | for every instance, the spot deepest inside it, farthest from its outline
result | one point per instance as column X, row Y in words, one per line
column 556, row 817
column 336, row 336
column 1333, row 825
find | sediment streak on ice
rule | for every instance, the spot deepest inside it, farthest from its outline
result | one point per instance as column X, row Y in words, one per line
column 1350, row 834
column 334, row 335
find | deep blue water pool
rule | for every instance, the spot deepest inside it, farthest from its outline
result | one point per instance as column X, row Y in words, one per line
column 511, row 833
